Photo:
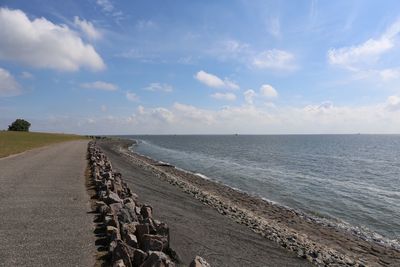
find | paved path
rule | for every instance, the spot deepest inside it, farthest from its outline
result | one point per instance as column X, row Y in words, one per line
column 44, row 219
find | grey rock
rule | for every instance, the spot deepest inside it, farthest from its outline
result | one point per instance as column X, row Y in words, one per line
column 131, row 240
column 112, row 198
column 139, row 256
column 152, row 243
column 146, row 211
column 119, row 263
column 158, row 259
column 141, row 230
column 122, row 252
column 113, row 233
column 199, row 262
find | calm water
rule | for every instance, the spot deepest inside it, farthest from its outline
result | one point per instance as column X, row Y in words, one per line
column 353, row 178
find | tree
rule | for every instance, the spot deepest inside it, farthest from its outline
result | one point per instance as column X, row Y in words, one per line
column 19, row 125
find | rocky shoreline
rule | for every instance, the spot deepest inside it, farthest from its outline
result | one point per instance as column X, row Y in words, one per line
column 134, row 237
column 323, row 245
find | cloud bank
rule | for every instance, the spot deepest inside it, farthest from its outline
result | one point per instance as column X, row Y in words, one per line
column 8, row 85
column 42, row 44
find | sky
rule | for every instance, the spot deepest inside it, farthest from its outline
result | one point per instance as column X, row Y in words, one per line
column 201, row 67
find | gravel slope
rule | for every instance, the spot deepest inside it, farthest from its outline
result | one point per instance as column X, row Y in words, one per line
column 44, row 219
column 196, row 229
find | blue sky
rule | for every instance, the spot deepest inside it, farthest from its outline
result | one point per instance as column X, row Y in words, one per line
column 185, row 67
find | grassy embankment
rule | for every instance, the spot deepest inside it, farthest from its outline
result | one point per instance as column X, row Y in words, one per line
column 16, row 142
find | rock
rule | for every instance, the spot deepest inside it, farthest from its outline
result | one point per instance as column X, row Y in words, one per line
column 146, row 211
column 139, row 256
column 119, row 263
column 128, row 228
column 134, row 197
column 199, row 262
column 122, row 252
column 137, row 210
column 113, row 233
column 102, row 208
column 150, row 223
column 110, row 185
column 152, row 243
column 158, row 259
column 107, row 175
column 112, row 198
column 131, row 240
column 130, row 206
column 141, row 230
column 124, row 216
column 115, row 208
column 111, row 221
column 161, row 228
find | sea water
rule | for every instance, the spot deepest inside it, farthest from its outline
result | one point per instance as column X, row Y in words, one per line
column 353, row 179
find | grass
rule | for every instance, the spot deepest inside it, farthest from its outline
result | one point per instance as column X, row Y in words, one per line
column 16, row 142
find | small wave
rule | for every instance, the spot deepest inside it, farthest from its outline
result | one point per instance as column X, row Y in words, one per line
column 359, row 231
column 202, row 176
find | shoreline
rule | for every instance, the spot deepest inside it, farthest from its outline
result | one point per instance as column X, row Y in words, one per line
column 326, row 221
column 293, row 230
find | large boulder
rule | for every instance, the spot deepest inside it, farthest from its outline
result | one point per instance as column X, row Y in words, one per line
column 199, row 262
column 146, row 211
column 141, row 230
column 119, row 263
column 152, row 243
column 122, row 251
column 113, row 233
column 139, row 256
column 112, row 198
column 131, row 240
column 115, row 208
column 158, row 259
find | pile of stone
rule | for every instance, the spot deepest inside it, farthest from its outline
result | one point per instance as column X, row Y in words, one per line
column 134, row 237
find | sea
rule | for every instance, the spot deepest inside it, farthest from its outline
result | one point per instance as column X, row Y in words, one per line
column 351, row 180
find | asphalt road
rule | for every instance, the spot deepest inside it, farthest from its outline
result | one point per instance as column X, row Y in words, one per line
column 44, row 219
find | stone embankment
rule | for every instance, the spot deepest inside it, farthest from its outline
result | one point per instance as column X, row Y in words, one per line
column 311, row 240
column 134, row 237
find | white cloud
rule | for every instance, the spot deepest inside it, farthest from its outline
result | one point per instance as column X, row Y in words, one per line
column 145, row 25
column 100, row 85
column 214, row 81
column 181, row 118
column 87, row 28
column 191, row 114
column 224, row 96
column 26, row 75
column 389, row 74
column 274, row 27
column 357, row 56
column 159, row 114
column 393, row 103
column 369, row 51
column 159, row 87
column 131, row 96
column 40, row 43
column 8, row 85
column 268, row 91
column 274, row 59
column 106, row 5
column 249, row 96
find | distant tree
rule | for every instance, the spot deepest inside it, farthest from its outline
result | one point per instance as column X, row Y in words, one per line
column 19, row 125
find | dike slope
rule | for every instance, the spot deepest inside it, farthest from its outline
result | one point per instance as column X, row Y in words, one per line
column 197, row 229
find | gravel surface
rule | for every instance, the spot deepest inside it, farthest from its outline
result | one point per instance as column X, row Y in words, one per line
column 196, row 229
column 44, row 208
